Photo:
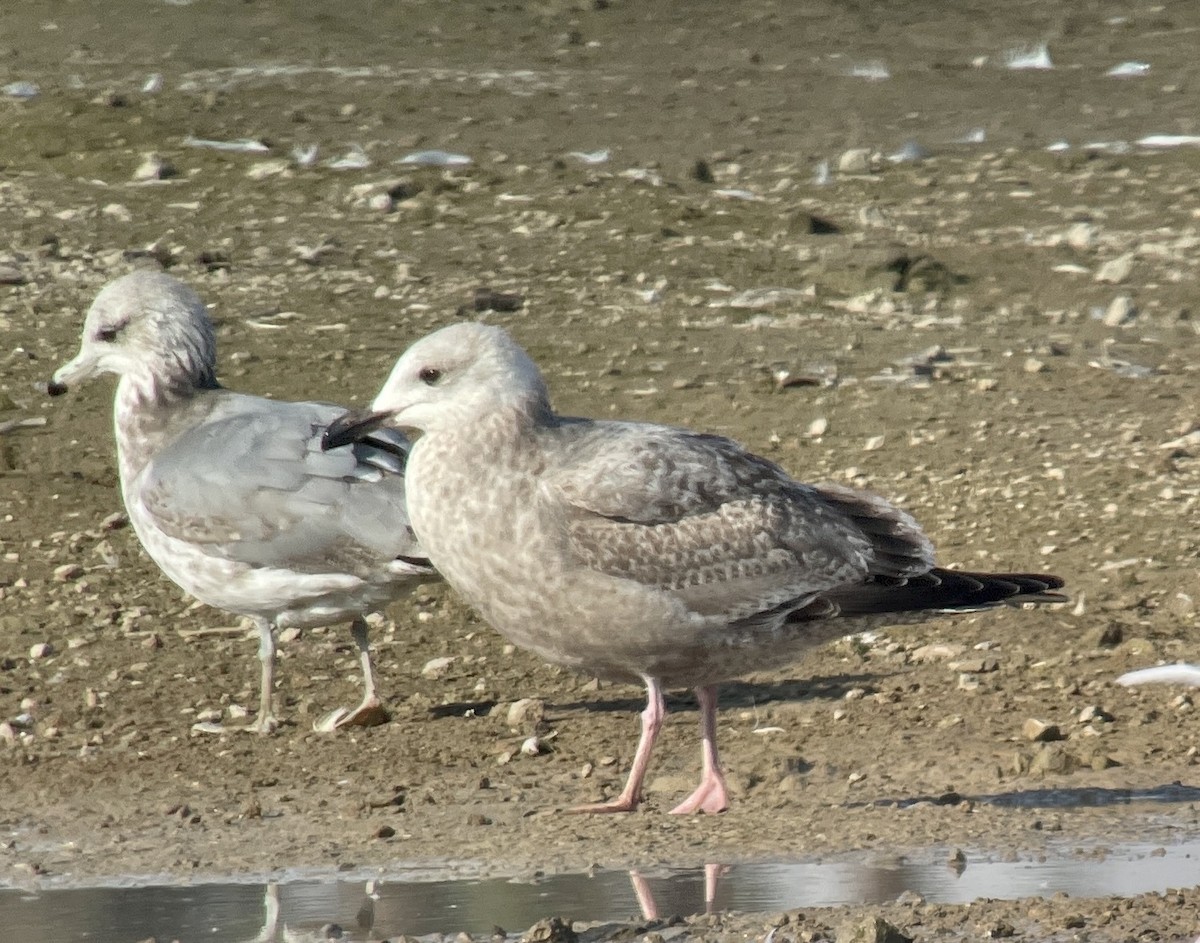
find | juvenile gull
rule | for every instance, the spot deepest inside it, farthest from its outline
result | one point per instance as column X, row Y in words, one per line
column 635, row 551
column 232, row 495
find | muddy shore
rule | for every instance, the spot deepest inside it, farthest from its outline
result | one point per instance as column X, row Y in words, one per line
column 1000, row 337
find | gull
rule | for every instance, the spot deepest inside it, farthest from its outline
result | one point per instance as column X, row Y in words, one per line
column 232, row 496
column 642, row 552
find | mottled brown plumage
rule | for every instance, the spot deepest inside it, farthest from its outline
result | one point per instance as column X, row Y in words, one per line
column 642, row 552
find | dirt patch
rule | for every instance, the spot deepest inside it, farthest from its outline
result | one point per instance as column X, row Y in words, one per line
column 946, row 345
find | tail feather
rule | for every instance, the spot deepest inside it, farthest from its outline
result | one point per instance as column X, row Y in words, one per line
column 946, row 591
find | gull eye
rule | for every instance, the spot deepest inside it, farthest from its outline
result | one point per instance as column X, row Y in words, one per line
column 109, row 334
column 429, row 375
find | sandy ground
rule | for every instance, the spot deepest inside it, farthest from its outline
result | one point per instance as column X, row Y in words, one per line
column 948, row 310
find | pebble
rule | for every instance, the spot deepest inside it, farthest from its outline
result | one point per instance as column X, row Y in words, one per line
column 1094, row 712
column 1038, row 731
column 937, row 651
column 871, row 930
column 1120, row 310
column 857, row 160
column 41, row 650
column 154, row 167
column 67, row 572
column 526, row 710
column 436, row 667
column 1081, row 235
column 11, row 276
column 1116, row 271
column 532, row 746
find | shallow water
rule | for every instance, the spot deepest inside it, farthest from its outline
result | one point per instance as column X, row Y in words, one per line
column 405, row 903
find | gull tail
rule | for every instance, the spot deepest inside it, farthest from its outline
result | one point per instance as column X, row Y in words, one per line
column 941, row 590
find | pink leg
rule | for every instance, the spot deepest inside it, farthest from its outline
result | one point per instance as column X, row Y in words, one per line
column 645, row 896
column 711, row 795
column 371, row 712
column 652, row 718
column 712, row 873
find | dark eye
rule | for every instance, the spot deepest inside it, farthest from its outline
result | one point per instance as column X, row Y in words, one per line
column 430, row 375
column 109, row 334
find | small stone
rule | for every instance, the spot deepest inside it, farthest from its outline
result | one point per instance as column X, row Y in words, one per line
column 987, row 384
column 817, row 428
column 41, row 650
column 477, row 820
column 532, row 747
column 527, row 710
column 1052, row 758
column 436, row 667
column 381, row 203
column 550, row 930
column 67, row 572
column 385, row 831
column 1080, row 235
column 289, row 635
column 937, row 651
column 115, row 521
column 871, row 930
column 1033, row 365
column 154, row 167
column 857, row 160
column 1094, row 712
column 117, row 211
column 8, row 735
column 1038, row 731
column 1121, row 310
column 1116, row 271
column 9, row 275
column 269, row 168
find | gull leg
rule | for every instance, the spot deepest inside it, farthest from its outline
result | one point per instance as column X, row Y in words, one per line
column 711, row 795
column 645, row 897
column 266, row 722
column 652, row 719
column 712, row 874
column 371, row 712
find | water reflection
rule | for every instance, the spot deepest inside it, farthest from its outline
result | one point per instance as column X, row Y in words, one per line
column 307, row 906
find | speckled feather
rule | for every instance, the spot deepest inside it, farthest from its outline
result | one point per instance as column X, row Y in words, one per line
column 635, row 550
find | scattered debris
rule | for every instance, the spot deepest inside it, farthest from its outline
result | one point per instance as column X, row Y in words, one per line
column 435, row 158
column 238, row 146
column 1128, row 70
column 1029, row 57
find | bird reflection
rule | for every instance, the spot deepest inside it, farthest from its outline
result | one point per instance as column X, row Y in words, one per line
column 649, row 906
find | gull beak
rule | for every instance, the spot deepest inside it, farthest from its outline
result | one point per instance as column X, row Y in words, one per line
column 351, row 427
column 82, row 367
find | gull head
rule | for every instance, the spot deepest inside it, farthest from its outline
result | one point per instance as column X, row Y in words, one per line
column 448, row 379
column 146, row 325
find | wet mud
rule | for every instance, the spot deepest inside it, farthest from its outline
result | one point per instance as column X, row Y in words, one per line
column 998, row 335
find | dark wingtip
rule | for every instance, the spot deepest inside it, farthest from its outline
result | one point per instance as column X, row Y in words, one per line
column 350, row 427
column 54, row 388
